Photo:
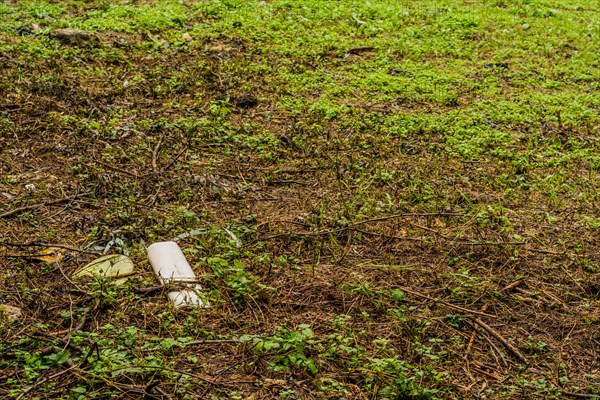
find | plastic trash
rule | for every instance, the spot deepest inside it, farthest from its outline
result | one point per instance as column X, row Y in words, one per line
column 193, row 232
column 111, row 266
column 171, row 267
column 202, row 231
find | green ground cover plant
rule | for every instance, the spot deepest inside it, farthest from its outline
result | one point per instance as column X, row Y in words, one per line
column 396, row 199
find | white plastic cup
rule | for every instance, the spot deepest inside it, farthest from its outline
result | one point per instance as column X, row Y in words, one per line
column 170, row 265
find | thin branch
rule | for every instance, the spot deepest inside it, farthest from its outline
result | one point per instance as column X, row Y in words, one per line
column 155, row 154
column 579, row 395
column 494, row 377
column 63, row 341
column 495, row 348
column 42, row 381
column 198, row 377
column 123, row 171
column 382, row 235
column 170, row 164
column 502, row 340
column 49, row 245
column 76, row 328
column 402, row 215
column 359, row 49
column 47, row 203
column 211, row 341
column 450, row 305
column 353, row 227
column 512, row 285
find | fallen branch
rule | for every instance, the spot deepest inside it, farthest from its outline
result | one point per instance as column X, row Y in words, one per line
column 76, row 328
column 402, row 215
column 360, row 49
column 512, row 285
column 48, row 245
column 494, row 377
column 117, row 169
column 47, row 203
column 155, row 154
column 502, row 340
column 170, row 164
column 473, row 335
column 450, row 305
column 494, row 347
column 56, row 350
column 579, row 395
column 211, row 341
column 42, row 381
column 51, row 337
column 354, row 227
column 416, row 239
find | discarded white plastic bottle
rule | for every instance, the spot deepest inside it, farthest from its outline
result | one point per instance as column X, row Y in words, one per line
column 170, row 266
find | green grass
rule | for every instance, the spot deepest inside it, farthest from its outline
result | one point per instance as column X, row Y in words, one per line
column 361, row 151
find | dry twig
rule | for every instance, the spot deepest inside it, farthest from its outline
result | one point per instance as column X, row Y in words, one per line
column 502, row 340
column 450, row 305
column 44, row 380
column 360, row 49
column 48, row 245
column 579, row 395
column 44, row 204
column 155, row 154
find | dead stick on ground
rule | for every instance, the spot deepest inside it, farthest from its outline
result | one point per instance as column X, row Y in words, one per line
column 450, row 305
column 474, row 335
column 76, row 328
column 486, row 373
column 64, row 341
column 484, row 308
column 170, row 164
column 512, row 285
column 162, row 392
column 211, row 341
column 579, row 395
column 360, row 49
column 117, row 169
column 195, row 376
column 494, row 347
column 402, row 215
column 155, row 154
column 501, row 339
column 219, row 78
column 42, row 381
column 470, row 344
column 46, row 245
column 33, row 207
